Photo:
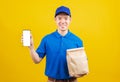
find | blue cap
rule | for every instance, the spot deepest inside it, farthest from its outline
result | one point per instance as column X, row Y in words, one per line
column 62, row 9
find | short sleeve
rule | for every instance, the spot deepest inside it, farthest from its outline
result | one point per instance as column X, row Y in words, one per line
column 79, row 43
column 41, row 50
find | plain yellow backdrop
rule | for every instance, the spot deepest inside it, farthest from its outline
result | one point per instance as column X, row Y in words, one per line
column 96, row 22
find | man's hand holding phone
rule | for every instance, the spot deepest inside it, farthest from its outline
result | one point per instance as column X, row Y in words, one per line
column 27, row 39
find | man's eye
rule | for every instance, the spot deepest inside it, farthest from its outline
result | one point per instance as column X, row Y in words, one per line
column 66, row 18
column 59, row 18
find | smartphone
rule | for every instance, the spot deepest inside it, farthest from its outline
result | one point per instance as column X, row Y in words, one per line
column 26, row 37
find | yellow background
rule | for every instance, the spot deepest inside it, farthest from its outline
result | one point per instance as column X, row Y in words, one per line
column 96, row 22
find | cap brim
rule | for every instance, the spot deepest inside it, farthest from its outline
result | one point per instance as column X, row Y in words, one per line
column 62, row 12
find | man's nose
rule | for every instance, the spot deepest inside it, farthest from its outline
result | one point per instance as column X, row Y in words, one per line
column 63, row 20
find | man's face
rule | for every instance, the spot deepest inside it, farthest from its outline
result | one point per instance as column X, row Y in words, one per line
column 63, row 21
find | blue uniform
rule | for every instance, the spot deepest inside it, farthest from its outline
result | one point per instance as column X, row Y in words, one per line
column 54, row 47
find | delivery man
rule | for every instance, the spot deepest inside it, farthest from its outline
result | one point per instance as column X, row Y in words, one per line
column 54, row 46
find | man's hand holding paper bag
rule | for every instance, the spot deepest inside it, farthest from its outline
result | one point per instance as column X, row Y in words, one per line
column 77, row 62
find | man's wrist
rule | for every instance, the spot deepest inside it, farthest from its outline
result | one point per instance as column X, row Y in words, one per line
column 31, row 47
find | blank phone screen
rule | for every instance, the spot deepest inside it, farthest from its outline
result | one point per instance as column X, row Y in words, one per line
column 26, row 37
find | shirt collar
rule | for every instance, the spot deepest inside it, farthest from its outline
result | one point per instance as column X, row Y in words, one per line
column 58, row 35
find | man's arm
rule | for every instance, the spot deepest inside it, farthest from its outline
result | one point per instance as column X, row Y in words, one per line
column 35, row 57
column 33, row 53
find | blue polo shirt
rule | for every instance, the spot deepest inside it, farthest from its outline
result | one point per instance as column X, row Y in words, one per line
column 54, row 47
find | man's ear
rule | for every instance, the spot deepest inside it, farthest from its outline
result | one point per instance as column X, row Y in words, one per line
column 55, row 18
column 70, row 19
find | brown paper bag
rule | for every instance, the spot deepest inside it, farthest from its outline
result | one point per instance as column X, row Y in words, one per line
column 77, row 62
